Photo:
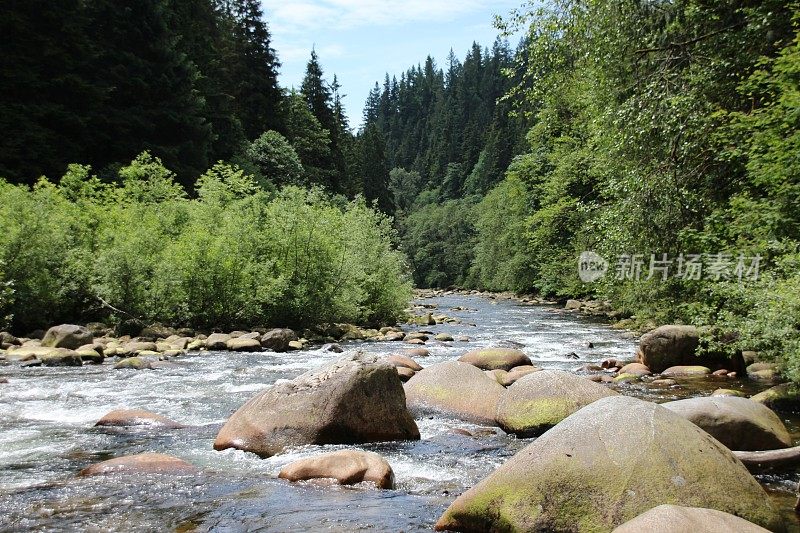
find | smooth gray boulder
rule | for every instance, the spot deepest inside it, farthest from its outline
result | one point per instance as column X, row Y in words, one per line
column 352, row 400
column 607, row 464
column 676, row 519
column 454, row 388
column 67, row 336
column 738, row 423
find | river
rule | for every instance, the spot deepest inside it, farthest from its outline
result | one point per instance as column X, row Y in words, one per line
column 47, row 435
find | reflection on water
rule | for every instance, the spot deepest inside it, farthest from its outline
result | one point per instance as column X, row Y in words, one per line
column 47, row 435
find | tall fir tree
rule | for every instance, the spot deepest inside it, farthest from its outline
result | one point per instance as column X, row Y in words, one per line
column 150, row 101
column 374, row 171
column 206, row 37
column 253, row 68
column 49, row 93
column 320, row 100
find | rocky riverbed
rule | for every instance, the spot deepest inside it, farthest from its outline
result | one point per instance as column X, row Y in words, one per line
column 48, row 433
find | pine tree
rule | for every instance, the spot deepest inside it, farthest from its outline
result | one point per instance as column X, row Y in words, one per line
column 310, row 140
column 48, row 92
column 253, row 68
column 317, row 93
column 151, row 102
column 205, row 35
column 320, row 100
column 375, row 173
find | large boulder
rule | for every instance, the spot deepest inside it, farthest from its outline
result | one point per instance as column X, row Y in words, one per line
column 44, row 355
column 676, row 519
column 763, row 371
column 136, row 417
column 244, row 344
column 605, row 465
column 61, row 357
column 8, row 340
column 454, row 388
column 218, row 341
column 738, row 423
column 352, row 400
column 144, row 463
column 676, row 345
column 347, row 467
column 540, row 400
column 495, row 358
column 157, row 331
column 23, row 354
column 134, row 347
column 67, row 336
column 278, row 339
column 398, row 360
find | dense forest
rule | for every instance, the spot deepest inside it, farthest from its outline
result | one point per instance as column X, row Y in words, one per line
column 152, row 167
column 663, row 136
column 655, row 134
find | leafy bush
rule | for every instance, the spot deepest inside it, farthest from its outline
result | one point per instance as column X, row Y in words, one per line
column 234, row 256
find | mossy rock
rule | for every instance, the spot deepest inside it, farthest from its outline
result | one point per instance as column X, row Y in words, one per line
column 540, row 400
column 606, row 464
column 687, row 371
column 456, row 389
column 495, row 358
column 783, row 398
column 625, row 377
column 763, row 372
column 90, row 356
column 61, row 357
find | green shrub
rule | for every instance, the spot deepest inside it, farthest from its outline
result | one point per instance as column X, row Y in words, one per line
column 234, row 256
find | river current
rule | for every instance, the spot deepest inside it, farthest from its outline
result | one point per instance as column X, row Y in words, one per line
column 47, row 435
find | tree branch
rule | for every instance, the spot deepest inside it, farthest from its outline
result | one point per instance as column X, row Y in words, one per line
column 684, row 44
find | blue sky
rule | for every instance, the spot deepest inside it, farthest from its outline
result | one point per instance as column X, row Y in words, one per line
column 361, row 40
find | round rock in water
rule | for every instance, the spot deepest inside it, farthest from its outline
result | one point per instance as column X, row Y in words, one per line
column 606, row 464
column 352, row 400
column 67, row 336
column 347, row 467
column 495, row 358
column 136, row 417
column 677, row 519
column 539, row 401
column 738, row 423
column 144, row 463
column 453, row 388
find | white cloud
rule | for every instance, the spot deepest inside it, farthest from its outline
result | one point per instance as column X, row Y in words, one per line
column 290, row 17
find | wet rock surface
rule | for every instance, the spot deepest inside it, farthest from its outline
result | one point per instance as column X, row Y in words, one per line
column 648, row 454
column 347, row 467
column 354, row 399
